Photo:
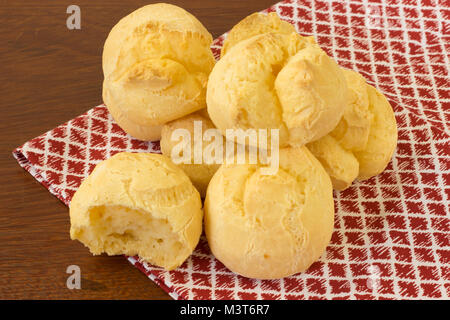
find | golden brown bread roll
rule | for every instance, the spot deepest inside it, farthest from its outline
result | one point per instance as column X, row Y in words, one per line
column 156, row 63
column 138, row 204
column 270, row 226
column 337, row 151
column 201, row 173
column 277, row 81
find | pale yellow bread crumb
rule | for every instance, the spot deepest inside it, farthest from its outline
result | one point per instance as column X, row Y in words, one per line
column 254, row 24
column 200, row 174
column 270, row 226
column 156, row 63
column 138, row 204
column 277, row 81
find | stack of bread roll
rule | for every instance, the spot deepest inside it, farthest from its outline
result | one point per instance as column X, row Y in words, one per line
column 160, row 75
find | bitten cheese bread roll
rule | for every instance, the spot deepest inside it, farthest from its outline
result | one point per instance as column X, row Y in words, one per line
column 156, row 63
column 277, row 81
column 270, row 226
column 138, row 204
column 199, row 173
column 255, row 24
column 363, row 142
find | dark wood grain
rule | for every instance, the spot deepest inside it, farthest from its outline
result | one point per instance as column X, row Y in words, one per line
column 50, row 74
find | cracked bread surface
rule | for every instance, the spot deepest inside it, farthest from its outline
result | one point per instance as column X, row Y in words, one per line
column 156, row 63
column 277, row 81
column 254, row 24
column 270, row 226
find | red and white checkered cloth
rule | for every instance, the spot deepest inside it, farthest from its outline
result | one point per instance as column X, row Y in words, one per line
column 392, row 232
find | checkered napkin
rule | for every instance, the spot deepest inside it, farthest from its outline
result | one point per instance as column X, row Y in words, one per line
column 392, row 232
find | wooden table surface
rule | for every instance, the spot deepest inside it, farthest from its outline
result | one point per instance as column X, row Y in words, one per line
column 50, row 74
